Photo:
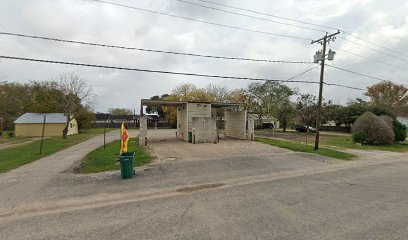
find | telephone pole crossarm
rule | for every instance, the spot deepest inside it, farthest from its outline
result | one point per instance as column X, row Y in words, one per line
column 331, row 36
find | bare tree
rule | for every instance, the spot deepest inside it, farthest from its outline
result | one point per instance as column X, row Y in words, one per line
column 77, row 93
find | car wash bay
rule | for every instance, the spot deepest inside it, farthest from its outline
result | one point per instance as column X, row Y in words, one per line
column 197, row 121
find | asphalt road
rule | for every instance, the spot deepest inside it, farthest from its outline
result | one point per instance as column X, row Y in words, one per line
column 276, row 195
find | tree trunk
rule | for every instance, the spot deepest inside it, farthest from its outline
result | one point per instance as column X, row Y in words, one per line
column 284, row 125
column 65, row 131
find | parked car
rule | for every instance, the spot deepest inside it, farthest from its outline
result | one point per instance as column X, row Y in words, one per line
column 267, row 125
column 304, row 128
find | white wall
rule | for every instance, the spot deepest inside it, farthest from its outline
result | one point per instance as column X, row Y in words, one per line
column 204, row 130
column 197, row 110
column 251, row 128
column 143, row 131
column 182, row 122
column 235, row 124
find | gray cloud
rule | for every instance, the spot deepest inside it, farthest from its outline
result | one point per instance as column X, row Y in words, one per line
column 384, row 22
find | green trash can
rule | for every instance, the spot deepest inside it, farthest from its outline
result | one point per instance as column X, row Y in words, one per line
column 126, row 164
column 190, row 137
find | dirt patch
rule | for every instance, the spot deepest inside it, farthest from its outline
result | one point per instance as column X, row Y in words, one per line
column 18, row 143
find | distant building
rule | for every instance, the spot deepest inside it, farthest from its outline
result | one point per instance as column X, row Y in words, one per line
column 109, row 118
column 31, row 125
column 403, row 120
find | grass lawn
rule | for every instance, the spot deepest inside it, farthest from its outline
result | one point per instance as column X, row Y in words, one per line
column 14, row 157
column 100, row 160
column 347, row 142
column 5, row 138
column 333, row 140
column 299, row 147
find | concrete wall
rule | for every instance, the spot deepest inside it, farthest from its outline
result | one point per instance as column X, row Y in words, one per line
column 235, row 124
column 51, row 129
column 143, row 131
column 251, row 128
column 182, row 122
column 197, row 110
column 204, row 130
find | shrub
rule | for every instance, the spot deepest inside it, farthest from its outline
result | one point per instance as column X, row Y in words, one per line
column 400, row 131
column 375, row 128
column 378, row 110
column 359, row 137
column 389, row 120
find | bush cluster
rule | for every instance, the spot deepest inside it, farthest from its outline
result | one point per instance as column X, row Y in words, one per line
column 400, row 131
column 359, row 137
column 376, row 129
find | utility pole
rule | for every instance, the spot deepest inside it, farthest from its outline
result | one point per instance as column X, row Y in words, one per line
column 42, row 134
column 321, row 56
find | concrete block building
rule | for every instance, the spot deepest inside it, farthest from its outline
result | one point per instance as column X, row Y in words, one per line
column 196, row 121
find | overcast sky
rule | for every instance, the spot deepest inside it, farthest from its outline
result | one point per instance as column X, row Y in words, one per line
column 379, row 21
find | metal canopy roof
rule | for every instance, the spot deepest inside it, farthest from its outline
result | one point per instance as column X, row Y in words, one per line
column 39, row 118
column 148, row 102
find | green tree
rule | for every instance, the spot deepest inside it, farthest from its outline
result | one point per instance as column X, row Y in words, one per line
column 285, row 113
column 347, row 115
column 268, row 97
column 14, row 99
column 85, row 117
column 120, row 111
column 157, row 109
column 306, row 106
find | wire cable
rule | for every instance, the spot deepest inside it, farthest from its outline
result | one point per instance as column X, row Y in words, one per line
column 161, row 71
column 306, row 23
column 202, row 21
column 150, row 50
column 302, row 73
column 268, row 14
column 250, row 16
column 368, row 58
column 344, row 86
column 372, row 49
column 356, row 73
column 373, row 43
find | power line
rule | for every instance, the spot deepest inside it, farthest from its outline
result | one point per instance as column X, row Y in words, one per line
column 268, row 14
column 161, row 71
column 368, row 58
column 294, row 25
column 202, row 21
column 310, row 24
column 250, row 16
column 357, row 73
column 344, row 86
column 258, row 31
column 150, row 50
column 373, row 43
column 302, row 73
column 372, row 49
